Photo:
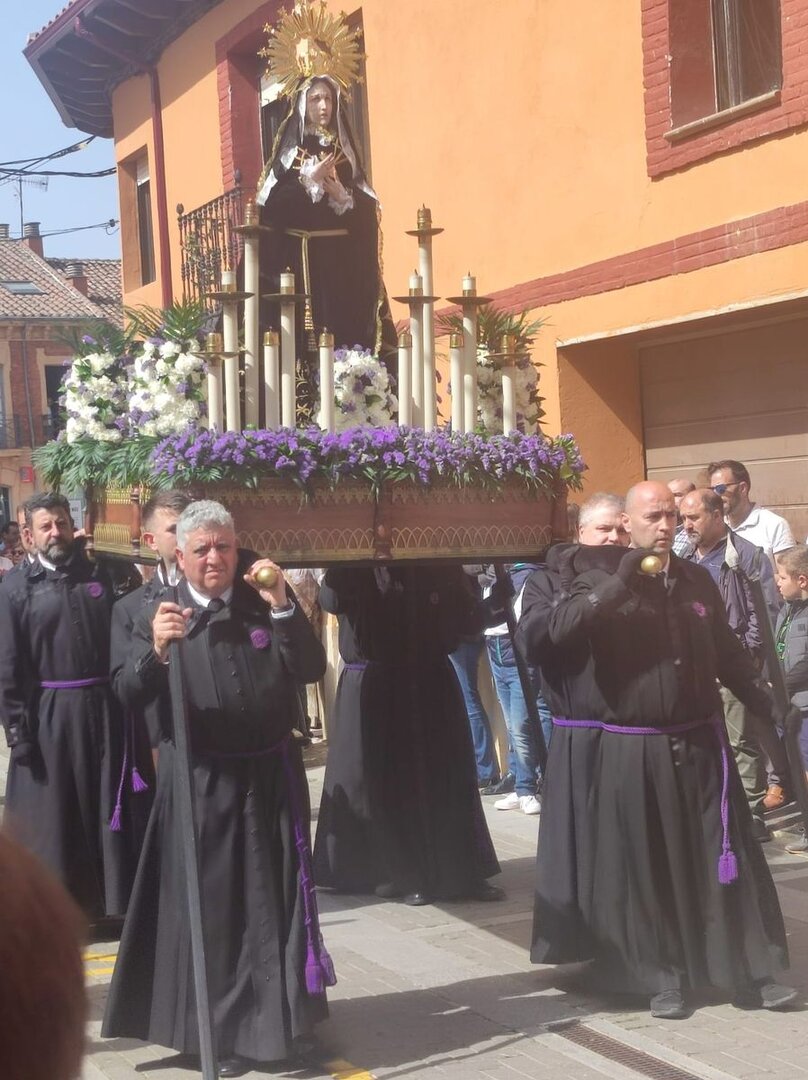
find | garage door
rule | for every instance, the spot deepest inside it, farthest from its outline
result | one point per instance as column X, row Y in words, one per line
column 742, row 395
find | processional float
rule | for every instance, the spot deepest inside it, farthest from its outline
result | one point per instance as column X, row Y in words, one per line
column 251, row 378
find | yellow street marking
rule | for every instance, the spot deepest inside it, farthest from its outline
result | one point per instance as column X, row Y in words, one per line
column 344, row 1070
column 100, row 956
column 100, row 971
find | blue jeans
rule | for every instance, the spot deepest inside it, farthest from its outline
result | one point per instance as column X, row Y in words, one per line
column 523, row 759
column 465, row 660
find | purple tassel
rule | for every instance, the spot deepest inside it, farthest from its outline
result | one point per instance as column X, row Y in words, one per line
column 115, row 820
column 315, row 984
column 138, row 783
column 728, row 868
column 327, row 967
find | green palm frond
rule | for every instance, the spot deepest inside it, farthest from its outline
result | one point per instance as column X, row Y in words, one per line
column 493, row 323
column 180, row 322
column 95, row 335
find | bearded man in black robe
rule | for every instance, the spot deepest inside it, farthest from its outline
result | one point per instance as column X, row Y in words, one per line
column 647, row 862
column 244, row 650
column 400, row 812
column 69, row 796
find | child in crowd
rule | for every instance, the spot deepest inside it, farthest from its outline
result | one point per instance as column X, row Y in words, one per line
column 792, row 644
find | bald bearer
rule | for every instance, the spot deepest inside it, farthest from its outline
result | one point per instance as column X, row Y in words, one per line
column 647, row 863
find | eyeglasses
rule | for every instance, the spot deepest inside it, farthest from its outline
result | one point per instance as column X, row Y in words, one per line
column 719, row 489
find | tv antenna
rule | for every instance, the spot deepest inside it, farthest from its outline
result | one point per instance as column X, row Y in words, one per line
column 23, row 179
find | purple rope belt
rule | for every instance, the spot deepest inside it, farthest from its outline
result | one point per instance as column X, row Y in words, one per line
column 319, row 966
column 728, row 861
column 73, row 684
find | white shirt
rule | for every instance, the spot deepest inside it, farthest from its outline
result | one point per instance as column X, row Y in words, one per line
column 226, row 596
column 766, row 530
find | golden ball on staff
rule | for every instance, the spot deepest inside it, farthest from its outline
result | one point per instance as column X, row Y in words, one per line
column 651, row 565
column 265, row 576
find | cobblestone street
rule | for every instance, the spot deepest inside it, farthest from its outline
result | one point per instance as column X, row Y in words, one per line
column 447, row 992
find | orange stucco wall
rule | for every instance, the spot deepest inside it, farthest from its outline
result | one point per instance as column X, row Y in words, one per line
column 522, row 128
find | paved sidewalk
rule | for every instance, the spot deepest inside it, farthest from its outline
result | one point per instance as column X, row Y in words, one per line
column 447, row 992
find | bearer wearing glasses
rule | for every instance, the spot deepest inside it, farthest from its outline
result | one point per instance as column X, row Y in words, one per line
column 761, row 527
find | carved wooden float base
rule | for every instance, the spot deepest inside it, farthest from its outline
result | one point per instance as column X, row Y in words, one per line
column 349, row 524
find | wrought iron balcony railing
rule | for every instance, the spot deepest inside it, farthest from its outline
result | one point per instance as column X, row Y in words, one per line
column 10, row 432
column 209, row 243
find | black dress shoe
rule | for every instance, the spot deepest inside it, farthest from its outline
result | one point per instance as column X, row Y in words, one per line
column 759, row 830
column 387, row 891
column 669, row 1005
column 502, row 787
column 417, row 899
column 234, row 1066
column 485, row 892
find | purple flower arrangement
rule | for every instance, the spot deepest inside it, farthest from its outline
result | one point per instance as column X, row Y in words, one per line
column 373, row 455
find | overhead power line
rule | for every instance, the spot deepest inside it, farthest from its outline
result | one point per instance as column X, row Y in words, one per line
column 55, row 172
column 81, row 145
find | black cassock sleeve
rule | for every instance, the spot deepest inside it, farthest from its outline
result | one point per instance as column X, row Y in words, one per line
column 592, row 595
column 538, row 600
column 302, row 653
column 142, row 677
column 14, row 677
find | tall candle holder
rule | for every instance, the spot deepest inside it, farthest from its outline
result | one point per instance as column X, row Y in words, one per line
column 507, row 355
column 404, row 386
column 422, row 388
column 250, row 232
column 214, row 353
column 469, row 302
column 272, row 408
column 230, row 297
column 288, row 299
column 425, row 231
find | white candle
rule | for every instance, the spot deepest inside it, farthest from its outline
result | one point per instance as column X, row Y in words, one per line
column 214, row 396
column 509, row 399
column 288, row 353
column 228, row 280
column 232, row 391
column 456, row 373
column 416, row 283
column 272, row 409
column 251, row 373
column 404, row 379
column 469, row 284
column 327, row 410
column 428, row 333
column 417, row 365
column 470, row 367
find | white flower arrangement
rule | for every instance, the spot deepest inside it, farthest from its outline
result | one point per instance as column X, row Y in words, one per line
column 166, row 387
column 362, row 390
column 489, row 393
column 94, row 396
column 158, row 391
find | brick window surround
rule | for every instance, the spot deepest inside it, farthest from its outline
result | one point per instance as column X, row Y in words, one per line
column 774, row 113
column 238, row 69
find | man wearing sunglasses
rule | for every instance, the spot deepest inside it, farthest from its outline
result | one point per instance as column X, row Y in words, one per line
column 761, row 527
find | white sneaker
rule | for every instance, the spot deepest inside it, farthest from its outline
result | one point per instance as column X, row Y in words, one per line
column 510, row 802
column 529, row 804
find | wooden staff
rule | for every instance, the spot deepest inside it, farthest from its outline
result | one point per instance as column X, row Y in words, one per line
column 184, row 796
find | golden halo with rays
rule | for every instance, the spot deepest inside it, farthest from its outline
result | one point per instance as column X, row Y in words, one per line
column 309, row 41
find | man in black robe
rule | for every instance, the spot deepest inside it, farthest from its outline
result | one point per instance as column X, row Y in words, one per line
column 67, row 798
column 244, row 648
column 400, row 812
column 647, row 862
column 159, row 520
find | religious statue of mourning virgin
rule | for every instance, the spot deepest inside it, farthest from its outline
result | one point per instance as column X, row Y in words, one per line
column 324, row 217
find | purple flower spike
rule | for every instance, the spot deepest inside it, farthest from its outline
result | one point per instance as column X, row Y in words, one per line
column 95, row 589
column 260, row 638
